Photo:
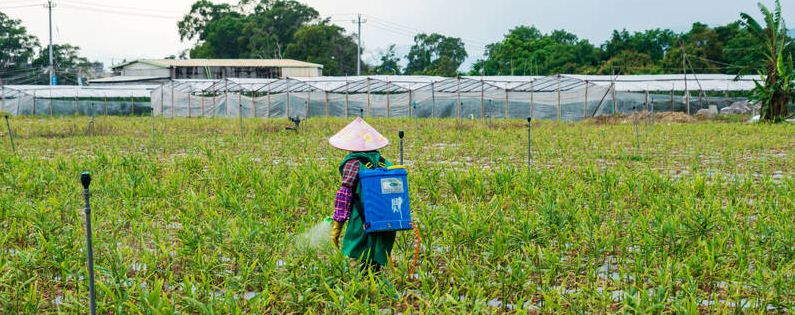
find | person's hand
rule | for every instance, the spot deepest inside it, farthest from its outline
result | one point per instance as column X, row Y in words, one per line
column 336, row 230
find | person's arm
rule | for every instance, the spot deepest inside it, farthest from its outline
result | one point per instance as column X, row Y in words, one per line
column 344, row 199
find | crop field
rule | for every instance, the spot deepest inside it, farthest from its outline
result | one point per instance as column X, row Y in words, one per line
column 218, row 219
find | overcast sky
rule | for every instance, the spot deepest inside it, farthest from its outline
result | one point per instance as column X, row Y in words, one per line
column 112, row 30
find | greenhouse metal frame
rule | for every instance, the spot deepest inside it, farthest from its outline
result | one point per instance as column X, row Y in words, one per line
column 561, row 97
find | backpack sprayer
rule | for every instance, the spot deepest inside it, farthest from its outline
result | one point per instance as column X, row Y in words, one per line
column 385, row 196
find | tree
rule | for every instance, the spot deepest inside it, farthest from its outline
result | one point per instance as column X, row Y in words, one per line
column 435, row 54
column 653, row 43
column 390, row 62
column 68, row 64
column 273, row 25
column 225, row 31
column 17, row 49
column 324, row 44
column 526, row 51
column 777, row 89
column 630, row 62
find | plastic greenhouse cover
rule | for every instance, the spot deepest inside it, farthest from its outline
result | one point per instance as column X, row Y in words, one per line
column 668, row 82
column 63, row 91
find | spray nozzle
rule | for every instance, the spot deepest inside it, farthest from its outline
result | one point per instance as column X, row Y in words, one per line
column 401, row 134
column 85, row 179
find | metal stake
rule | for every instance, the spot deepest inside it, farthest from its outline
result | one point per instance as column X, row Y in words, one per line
column 85, row 179
column 529, row 151
column 11, row 135
column 401, row 134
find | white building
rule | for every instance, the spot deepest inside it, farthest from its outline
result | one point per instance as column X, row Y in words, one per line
column 161, row 70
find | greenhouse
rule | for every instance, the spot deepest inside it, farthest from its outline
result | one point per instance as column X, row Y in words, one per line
column 561, row 97
column 76, row 100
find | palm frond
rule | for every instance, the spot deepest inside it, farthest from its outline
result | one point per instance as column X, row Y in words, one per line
column 751, row 24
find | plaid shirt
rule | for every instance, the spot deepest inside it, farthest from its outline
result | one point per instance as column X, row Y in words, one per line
column 344, row 198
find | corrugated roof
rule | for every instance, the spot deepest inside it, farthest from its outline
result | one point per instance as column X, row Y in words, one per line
column 123, row 79
column 282, row 63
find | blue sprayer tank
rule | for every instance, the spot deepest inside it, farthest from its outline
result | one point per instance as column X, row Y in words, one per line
column 385, row 196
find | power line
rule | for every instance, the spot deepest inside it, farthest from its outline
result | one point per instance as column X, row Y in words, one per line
column 21, row 6
column 101, row 10
column 473, row 42
column 117, row 7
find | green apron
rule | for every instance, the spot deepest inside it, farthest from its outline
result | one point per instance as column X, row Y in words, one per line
column 367, row 247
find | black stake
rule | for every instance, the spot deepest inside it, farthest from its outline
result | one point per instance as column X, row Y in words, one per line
column 85, row 179
column 361, row 112
column 529, row 152
column 401, row 134
column 11, row 135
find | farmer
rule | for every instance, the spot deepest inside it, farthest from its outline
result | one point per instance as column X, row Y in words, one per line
column 362, row 142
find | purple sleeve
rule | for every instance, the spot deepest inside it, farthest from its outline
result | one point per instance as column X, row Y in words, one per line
column 344, row 197
column 342, row 204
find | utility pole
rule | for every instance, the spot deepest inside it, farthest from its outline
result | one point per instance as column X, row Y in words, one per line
column 52, row 69
column 684, row 72
column 359, row 22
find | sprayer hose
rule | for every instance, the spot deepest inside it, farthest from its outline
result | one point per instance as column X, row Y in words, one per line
column 416, row 258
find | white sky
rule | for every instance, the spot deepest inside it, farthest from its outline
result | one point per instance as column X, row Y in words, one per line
column 115, row 34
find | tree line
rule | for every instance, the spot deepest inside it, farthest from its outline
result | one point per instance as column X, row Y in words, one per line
column 289, row 29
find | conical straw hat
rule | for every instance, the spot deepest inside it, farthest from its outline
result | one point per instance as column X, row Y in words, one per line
column 358, row 136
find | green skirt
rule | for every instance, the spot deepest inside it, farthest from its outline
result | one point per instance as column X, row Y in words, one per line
column 367, row 247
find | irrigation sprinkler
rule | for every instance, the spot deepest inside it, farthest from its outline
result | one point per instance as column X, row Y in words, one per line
column 10, row 135
column 361, row 112
column 529, row 151
column 240, row 117
column 85, row 179
column 401, row 134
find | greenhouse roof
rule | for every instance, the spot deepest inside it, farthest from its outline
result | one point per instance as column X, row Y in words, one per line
column 75, row 91
column 668, row 82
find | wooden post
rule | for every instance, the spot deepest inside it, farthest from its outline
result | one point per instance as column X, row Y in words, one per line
column 172, row 99
column 507, row 104
column 387, row 99
column 482, row 95
column 558, row 97
column 253, row 104
column 433, row 99
column 226, row 96
column 201, row 100
column 368, row 97
column 19, row 101
column 268, row 94
column 289, row 102
column 672, row 99
column 532, row 101
column 308, row 102
column 325, row 103
column 646, row 108
column 347, row 103
column 458, row 102
column 585, row 104
column 411, row 104
column 77, row 106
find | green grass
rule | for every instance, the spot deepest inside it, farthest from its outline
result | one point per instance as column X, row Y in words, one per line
column 698, row 218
